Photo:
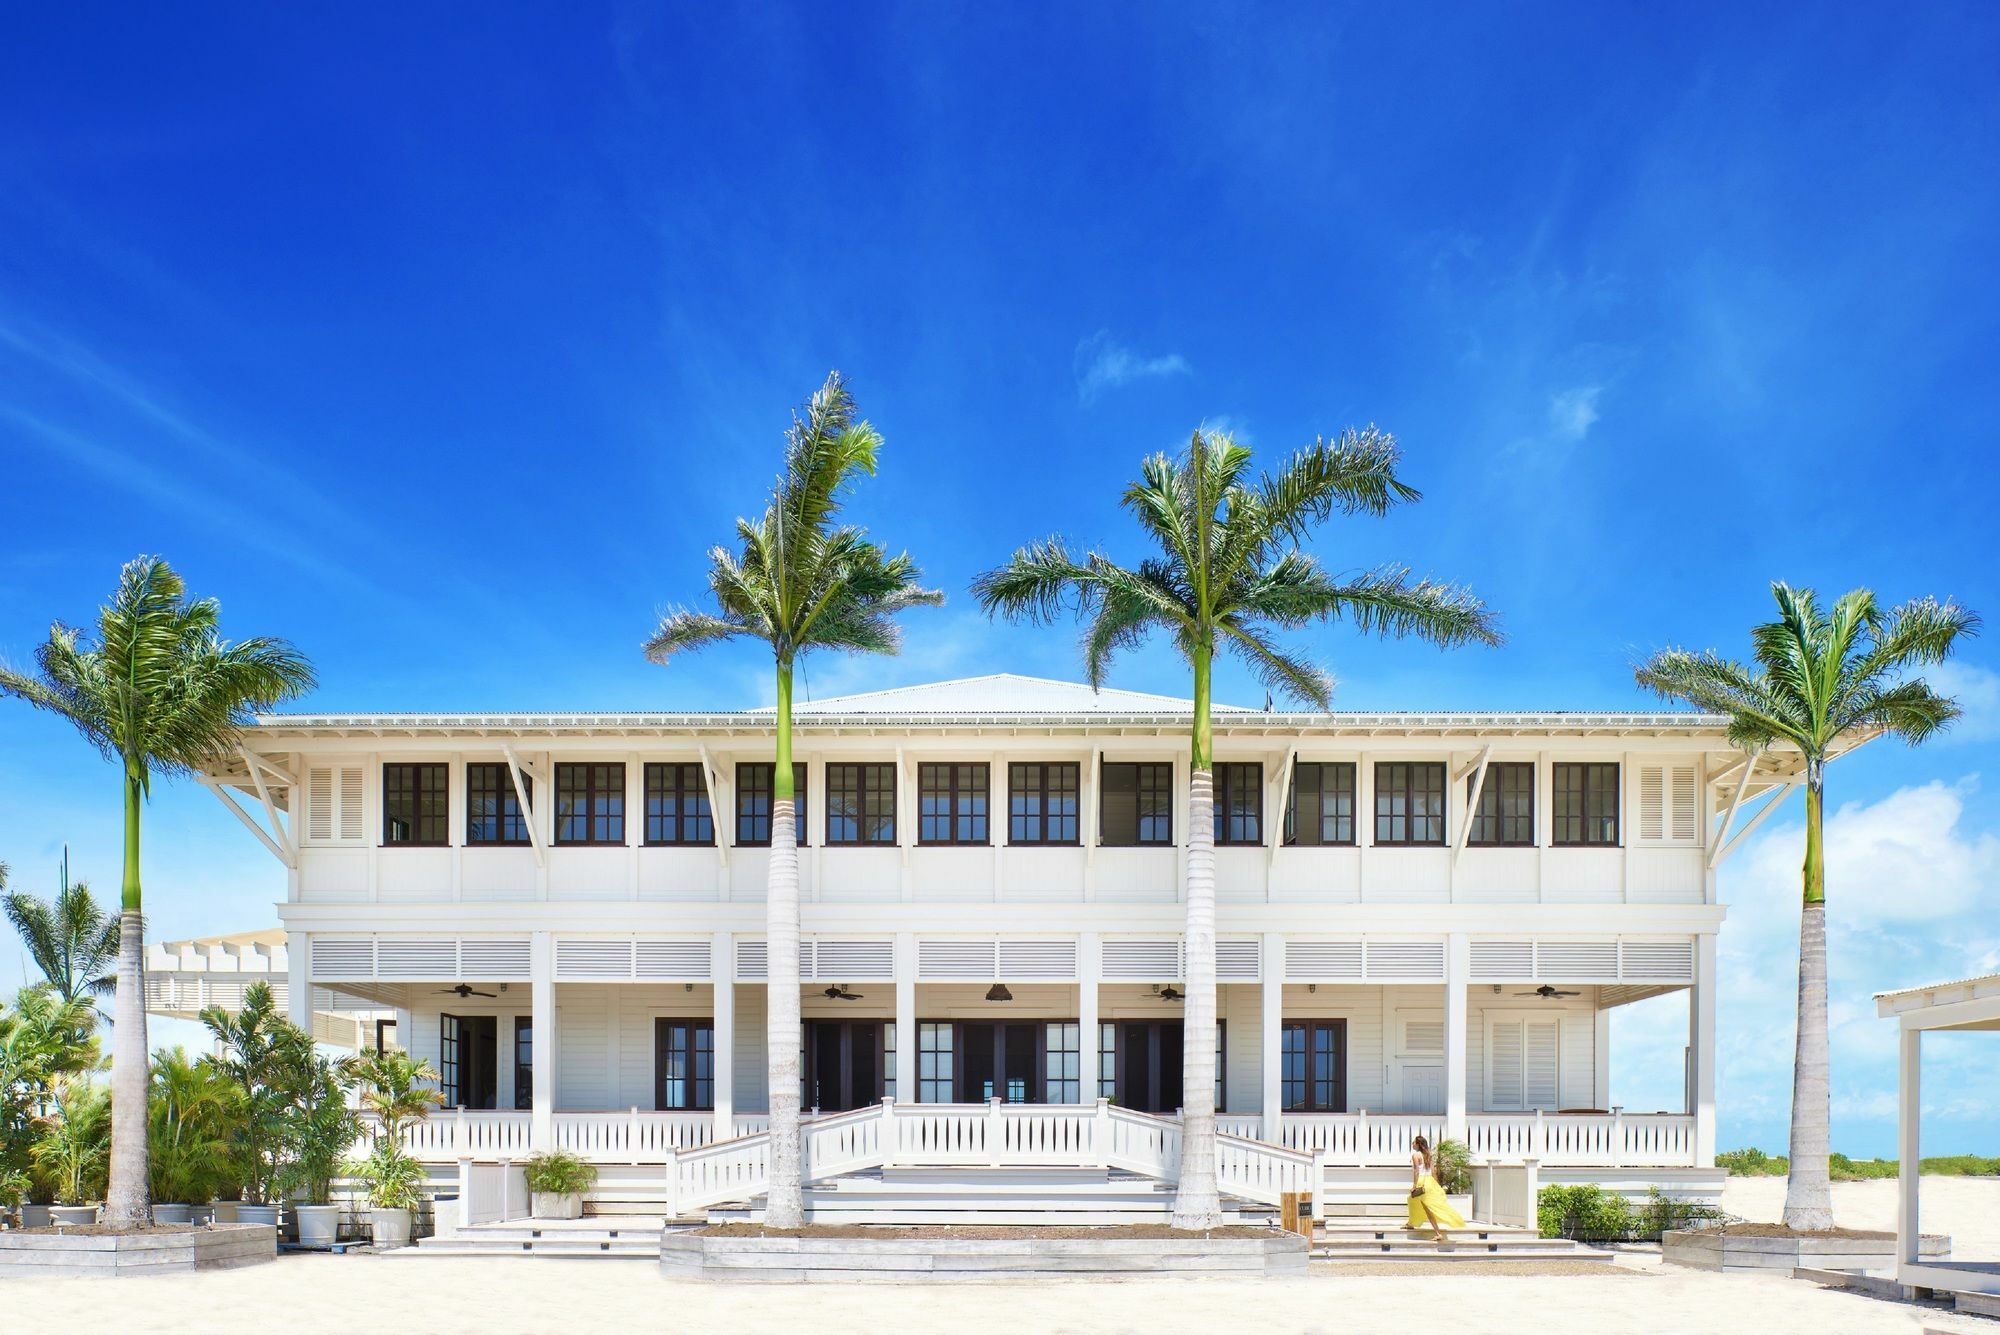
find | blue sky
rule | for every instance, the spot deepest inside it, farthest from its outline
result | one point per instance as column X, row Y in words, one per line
column 445, row 350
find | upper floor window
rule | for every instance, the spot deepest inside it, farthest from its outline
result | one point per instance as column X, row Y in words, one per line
column 1136, row 805
column 861, row 804
column 677, row 810
column 1322, row 810
column 1506, row 814
column 951, row 804
column 1586, row 805
column 590, row 804
column 1042, row 803
column 493, row 810
column 413, row 804
column 1239, row 804
column 1409, row 803
column 754, row 803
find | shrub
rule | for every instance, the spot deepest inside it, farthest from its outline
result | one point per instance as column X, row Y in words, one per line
column 395, row 1181
column 74, row 1144
column 558, row 1173
column 194, row 1116
column 1843, row 1169
column 1453, row 1164
column 1661, row 1214
column 1752, row 1163
column 1585, row 1212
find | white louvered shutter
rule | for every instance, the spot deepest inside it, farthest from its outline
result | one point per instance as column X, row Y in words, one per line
column 494, row 961
column 1038, row 961
column 1656, row 961
column 1576, row 961
column 1422, row 1036
column 1503, row 959
column 1685, row 821
column 840, row 961
column 350, row 804
column 753, row 961
column 1503, row 1078
column 416, row 957
column 1130, row 961
column 1236, row 961
column 685, row 960
column 1419, row 961
column 319, row 804
column 1322, row 961
column 584, row 959
column 1541, row 1061
column 946, row 959
column 1652, row 802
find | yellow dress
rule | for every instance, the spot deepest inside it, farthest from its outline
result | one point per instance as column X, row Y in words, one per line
column 1440, row 1208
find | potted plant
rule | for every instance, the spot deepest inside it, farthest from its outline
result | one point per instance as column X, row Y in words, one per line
column 320, row 1129
column 556, row 1183
column 258, row 1052
column 1453, row 1165
column 395, row 1183
column 400, row 1090
column 74, row 1147
column 192, row 1120
column 13, row 1190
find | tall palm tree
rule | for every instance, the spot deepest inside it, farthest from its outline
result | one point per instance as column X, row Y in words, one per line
column 158, row 690
column 1820, row 675
column 71, row 940
column 1229, row 570
column 800, row 582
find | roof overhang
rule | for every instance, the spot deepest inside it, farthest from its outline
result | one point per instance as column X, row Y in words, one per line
column 1965, row 1004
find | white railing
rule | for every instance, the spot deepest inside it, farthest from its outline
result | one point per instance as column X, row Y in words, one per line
column 632, row 1136
column 1592, row 1140
column 463, row 1133
column 1506, row 1193
column 1231, row 1124
column 1360, row 1139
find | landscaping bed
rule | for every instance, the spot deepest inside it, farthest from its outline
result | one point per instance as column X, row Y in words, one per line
column 143, row 1251
column 1775, row 1247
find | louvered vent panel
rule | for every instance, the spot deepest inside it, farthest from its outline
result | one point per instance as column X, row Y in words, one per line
column 685, row 960
column 1684, row 822
column 1423, row 1038
column 1652, row 802
column 1038, row 961
column 753, row 961
column 1142, row 961
column 1576, row 961
column 580, row 959
column 1237, row 961
column 416, row 957
column 1505, row 1078
column 1503, row 959
column 949, row 960
column 335, row 958
column 319, row 804
column 1542, row 1065
column 1657, row 961
column 1422, row 960
column 350, row 803
column 1316, row 961
column 839, row 961
column 497, row 961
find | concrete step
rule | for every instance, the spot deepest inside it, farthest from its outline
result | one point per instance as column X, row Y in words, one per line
column 988, row 1216
column 1452, row 1255
column 1470, row 1233
column 1387, row 1245
column 629, row 1251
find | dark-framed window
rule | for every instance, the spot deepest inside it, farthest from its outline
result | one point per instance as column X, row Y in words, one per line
column 684, row 1065
column 952, row 803
column 1239, row 803
column 1313, row 1071
column 1042, row 803
column 861, row 804
column 1136, row 805
column 524, row 1061
column 1321, row 810
column 414, row 805
column 1143, row 1070
column 937, row 1080
column 1409, row 803
column 754, row 803
column 1585, row 806
column 677, row 808
column 590, row 803
column 383, row 1040
column 493, row 810
column 1505, row 817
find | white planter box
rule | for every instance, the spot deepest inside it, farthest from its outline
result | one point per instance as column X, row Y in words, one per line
column 558, row 1205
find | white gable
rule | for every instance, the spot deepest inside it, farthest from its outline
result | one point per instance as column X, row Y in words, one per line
column 1001, row 693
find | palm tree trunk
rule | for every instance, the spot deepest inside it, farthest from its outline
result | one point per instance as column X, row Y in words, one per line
column 127, row 1199
column 784, row 1202
column 1198, row 1204
column 1808, row 1197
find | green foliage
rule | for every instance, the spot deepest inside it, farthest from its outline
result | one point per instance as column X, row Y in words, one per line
column 193, row 1119
column 288, row 1125
column 319, row 1126
column 74, row 1144
column 1452, row 1166
column 43, row 1039
column 393, row 1087
column 1585, row 1212
column 558, row 1172
column 1752, row 1162
column 1960, row 1165
column 14, row 1185
column 1661, row 1214
column 395, row 1180
column 71, row 940
column 1843, row 1169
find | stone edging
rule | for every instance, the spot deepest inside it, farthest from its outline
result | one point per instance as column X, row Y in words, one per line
column 217, row 1247
column 1707, row 1249
column 974, row 1260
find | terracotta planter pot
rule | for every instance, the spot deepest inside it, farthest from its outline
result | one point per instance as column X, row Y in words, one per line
column 391, row 1228
column 173, row 1214
column 73, row 1215
column 319, row 1225
column 557, row 1204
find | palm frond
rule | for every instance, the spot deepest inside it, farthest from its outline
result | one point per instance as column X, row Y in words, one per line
column 1716, row 685
column 1278, row 671
column 683, row 631
column 1910, row 710
column 1354, row 473
column 1037, row 584
column 1389, row 601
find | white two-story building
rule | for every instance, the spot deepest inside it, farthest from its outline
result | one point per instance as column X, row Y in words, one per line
column 1425, row 920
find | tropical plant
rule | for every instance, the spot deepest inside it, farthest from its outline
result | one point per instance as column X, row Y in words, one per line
column 74, row 1146
column 392, row 1087
column 1822, row 679
column 395, row 1181
column 1228, row 572
column 42, row 1038
column 559, row 1173
column 800, row 582
column 71, row 940
column 196, row 1115
column 320, row 1125
column 264, row 1054
column 1451, row 1165
column 158, row 691
column 14, row 1185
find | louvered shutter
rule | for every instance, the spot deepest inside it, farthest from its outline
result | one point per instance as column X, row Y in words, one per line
column 1236, row 961
column 1576, row 961
column 1038, row 961
column 1541, row 1063
column 685, row 960
column 753, row 961
column 837, row 961
column 1652, row 802
column 1423, row 1036
column 350, row 804
column 1407, row 961
column 1322, row 961
column 1503, row 1078
column 1142, row 961
column 944, row 959
column 1656, row 961
column 319, row 804
column 1502, row 959
column 1684, row 824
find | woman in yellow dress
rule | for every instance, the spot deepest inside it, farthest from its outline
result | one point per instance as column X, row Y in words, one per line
column 1427, row 1198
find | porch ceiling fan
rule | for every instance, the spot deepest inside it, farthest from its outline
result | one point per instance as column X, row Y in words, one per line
column 464, row 990
column 839, row 992
column 1548, row 993
column 1172, row 993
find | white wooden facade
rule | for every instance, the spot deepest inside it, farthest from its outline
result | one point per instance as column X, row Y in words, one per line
column 1428, row 955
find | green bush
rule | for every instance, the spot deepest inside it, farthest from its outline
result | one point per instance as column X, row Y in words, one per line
column 1962, row 1165
column 1453, row 1164
column 1752, row 1163
column 1662, row 1214
column 395, row 1181
column 1585, row 1212
column 558, row 1173
column 1843, row 1169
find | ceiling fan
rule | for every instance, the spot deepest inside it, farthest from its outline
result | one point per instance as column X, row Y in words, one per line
column 1548, row 993
column 839, row 992
column 1172, row 993
column 464, row 990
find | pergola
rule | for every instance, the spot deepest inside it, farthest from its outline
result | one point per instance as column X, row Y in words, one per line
column 1966, row 1005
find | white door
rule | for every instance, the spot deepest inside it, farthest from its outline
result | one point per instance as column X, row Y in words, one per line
column 1418, row 1060
column 1423, row 1087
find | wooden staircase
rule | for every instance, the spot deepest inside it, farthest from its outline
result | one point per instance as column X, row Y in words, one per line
column 1371, row 1240
column 623, row 1237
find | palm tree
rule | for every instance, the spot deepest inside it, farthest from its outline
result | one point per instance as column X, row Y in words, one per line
column 1228, row 572
column 262, row 1051
column 393, row 1088
column 1820, row 676
column 157, row 691
column 195, row 1118
column 800, row 582
column 72, row 941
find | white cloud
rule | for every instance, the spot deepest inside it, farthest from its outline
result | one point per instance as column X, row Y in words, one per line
column 1572, row 412
column 1104, row 363
column 1978, row 693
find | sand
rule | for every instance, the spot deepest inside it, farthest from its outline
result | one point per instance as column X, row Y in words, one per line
column 345, row 1294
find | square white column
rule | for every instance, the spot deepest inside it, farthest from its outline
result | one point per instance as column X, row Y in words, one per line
column 298, row 980
column 542, row 1061
column 1909, row 1151
column 906, row 1018
column 1457, row 975
column 1271, row 1044
column 1701, row 1049
column 723, row 1061
column 1087, row 970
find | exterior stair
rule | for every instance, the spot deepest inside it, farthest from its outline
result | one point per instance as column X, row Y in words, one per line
column 623, row 1237
column 991, row 1196
column 1369, row 1240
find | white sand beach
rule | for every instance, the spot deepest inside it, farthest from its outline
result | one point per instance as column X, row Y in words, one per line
column 343, row 1294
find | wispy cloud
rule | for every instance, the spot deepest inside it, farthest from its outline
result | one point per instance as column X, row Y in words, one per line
column 1977, row 691
column 1572, row 412
column 1102, row 363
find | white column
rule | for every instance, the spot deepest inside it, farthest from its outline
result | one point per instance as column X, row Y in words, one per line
column 1600, row 1059
column 1087, row 969
column 1701, row 1047
column 906, row 1018
column 298, row 981
column 1457, row 975
column 1271, row 1045
column 542, row 1016
column 1909, row 1110
column 723, row 971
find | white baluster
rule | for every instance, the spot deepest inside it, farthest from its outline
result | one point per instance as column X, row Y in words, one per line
column 1361, row 1137
column 996, row 1132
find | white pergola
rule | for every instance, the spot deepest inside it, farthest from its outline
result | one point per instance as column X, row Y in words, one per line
column 1966, row 1005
